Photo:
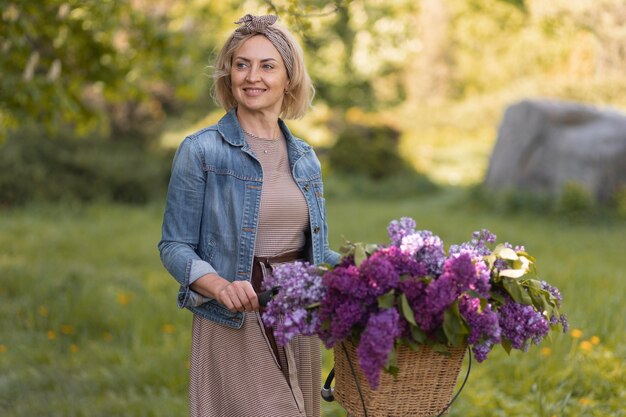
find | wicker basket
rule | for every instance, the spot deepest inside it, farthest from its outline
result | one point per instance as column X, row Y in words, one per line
column 422, row 388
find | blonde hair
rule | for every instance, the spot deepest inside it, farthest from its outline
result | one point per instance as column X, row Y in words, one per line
column 300, row 92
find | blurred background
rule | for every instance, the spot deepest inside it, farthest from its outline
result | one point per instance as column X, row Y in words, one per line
column 95, row 96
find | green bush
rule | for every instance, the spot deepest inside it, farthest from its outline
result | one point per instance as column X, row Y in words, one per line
column 575, row 201
column 33, row 168
column 362, row 187
column 370, row 151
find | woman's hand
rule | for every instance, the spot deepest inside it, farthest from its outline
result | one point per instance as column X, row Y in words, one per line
column 238, row 296
column 235, row 296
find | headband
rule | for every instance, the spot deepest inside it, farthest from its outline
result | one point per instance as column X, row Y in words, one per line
column 264, row 25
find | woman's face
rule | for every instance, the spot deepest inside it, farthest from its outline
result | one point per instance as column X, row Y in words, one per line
column 258, row 76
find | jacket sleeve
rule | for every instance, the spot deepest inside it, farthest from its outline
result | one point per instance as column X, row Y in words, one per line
column 330, row 256
column 182, row 218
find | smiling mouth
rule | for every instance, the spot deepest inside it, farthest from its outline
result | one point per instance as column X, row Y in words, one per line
column 254, row 91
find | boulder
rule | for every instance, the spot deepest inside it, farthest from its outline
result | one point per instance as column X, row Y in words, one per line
column 543, row 145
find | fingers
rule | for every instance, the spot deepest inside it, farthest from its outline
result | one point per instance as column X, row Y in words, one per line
column 239, row 296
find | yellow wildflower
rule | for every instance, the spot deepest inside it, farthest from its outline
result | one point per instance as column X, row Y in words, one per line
column 169, row 328
column 3, row 348
column 586, row 345
column 546, row 351
column 52, row 335
column 123, row 298
column 73, row 348
column 595, row 340
column 67, row 329
column 584, row 401
column 576, row 333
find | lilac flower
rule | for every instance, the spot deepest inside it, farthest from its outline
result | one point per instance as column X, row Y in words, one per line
column 432, row 253
column 399, row 229
column 415, row 291
column 482, row 285
column 412, row 243
column 379, row 273
column 345, row 304
column 458, row 275
column 554, row 291
column 477, row 246
column 339, row 319
column 484, row 327
column 522, row 324
column 404, row 262
column 301, row 286
column 377, row 341
column 554, row 319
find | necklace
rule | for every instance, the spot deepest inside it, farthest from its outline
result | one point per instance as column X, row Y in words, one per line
column 267, row 144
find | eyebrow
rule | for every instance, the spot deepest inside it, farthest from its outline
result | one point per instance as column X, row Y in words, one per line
column 263, row 60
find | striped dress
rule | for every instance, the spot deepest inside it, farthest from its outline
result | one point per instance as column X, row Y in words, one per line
column 234, row 372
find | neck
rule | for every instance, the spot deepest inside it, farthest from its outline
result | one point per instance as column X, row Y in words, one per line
column 259, row 124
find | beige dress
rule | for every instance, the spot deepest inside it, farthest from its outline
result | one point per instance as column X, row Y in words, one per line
column 233, row 372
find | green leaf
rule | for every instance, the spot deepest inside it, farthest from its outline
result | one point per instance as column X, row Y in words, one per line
column 497, row 297
column 387, row 300
column 454, row 326
column 512, row 273
column 371, row 248
column 406, row 309
column 506, row 344
column 392, row 363
column 516, row 291
column 503, row 252
column 359, row 254
column 418, row 335
column 441, row 348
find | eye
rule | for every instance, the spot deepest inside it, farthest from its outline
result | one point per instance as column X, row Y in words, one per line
column 240, row 65
column 268, row 66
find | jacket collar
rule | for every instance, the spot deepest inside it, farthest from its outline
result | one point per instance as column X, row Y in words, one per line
column 231, row 131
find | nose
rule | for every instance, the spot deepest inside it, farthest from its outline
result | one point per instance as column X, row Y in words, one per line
column 253, row 74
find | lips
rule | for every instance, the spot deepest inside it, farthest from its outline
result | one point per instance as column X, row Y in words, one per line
column 254, row 91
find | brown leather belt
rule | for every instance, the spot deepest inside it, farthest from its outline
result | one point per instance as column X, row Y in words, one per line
column 260, row 263
column 262, row 266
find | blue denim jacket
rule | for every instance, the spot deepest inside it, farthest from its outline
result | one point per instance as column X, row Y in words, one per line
column 212, row 210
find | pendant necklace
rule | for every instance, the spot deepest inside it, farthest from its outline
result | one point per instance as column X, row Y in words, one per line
column 267, row 144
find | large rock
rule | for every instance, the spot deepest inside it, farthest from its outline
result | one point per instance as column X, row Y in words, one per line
column 542, row 145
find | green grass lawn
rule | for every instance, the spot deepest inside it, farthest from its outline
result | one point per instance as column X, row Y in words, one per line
column 90, row 325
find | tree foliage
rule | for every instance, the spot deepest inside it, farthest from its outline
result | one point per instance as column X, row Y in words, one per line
column 116, row 66
column 120, row 66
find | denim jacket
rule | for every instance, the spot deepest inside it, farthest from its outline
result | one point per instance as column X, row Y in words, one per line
column 212, row 211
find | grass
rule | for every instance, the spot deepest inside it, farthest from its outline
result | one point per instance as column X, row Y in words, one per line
column 90, row 325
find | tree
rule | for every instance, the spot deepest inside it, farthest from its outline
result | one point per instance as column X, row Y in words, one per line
column 114, row 66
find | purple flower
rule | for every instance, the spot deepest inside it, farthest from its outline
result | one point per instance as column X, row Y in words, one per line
column 412, row 243
column 379, row 273
column 377, row 342
column 477, row 247
column 522, row 324
column 432, row 253
column 553, row 291
column 404, row 262
column 415, row 291
column 345, row 304
column 484, row 327
column 399, row 229
column 301, row 286
column 458, row 275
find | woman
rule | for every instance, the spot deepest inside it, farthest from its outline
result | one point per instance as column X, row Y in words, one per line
column 245, row 194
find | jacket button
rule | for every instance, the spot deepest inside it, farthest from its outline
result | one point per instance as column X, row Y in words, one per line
column 306, row 187
column 316, row 229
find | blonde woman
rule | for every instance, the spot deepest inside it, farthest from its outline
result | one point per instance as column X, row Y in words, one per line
column 245, row 194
